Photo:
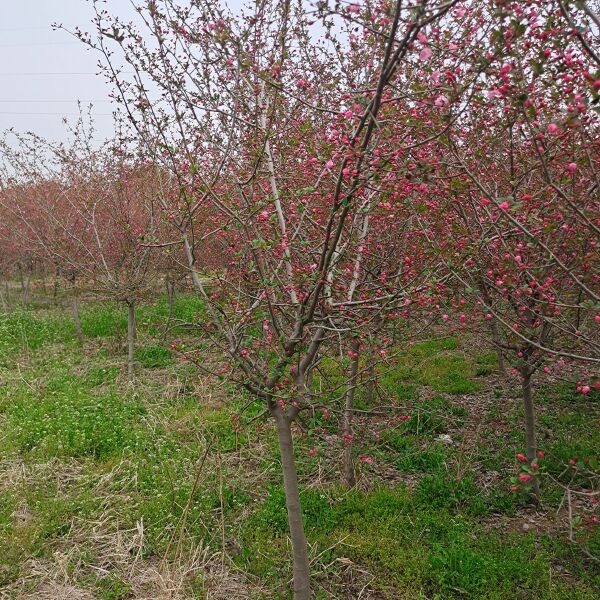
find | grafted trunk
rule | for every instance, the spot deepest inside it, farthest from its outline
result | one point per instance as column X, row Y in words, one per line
column 349, row 471
column 130, row 337
column 530, row 436
column 294, row 509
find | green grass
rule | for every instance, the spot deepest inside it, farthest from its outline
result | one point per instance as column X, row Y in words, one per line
column 153, row 356
column 24, row 330
column 410, row 544
column 439, row 364
column 86, row 456
column 103, row 319
column 71, row 423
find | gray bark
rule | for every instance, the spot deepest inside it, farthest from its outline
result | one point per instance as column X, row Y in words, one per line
column 530, row 434
column 294, row 509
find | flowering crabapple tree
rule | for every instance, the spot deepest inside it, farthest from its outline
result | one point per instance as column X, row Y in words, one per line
column 270, row 138
column 17, row 258
column 25, row 199
column 88, row 211
column 522, row 177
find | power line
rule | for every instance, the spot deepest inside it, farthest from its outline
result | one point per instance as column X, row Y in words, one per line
column 20, row 74
column 61, row 114
column 84, row 102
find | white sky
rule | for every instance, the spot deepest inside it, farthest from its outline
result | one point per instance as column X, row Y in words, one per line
column 44, row 72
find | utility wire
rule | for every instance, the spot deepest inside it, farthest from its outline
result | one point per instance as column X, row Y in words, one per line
column 83, row 102
column 19, row 74
column 62, row 114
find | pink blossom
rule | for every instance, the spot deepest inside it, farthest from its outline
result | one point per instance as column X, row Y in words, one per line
column 524, row 478
column 552, row 128
column 522, row 457
column 441, row 101
column 572, row 167
column 425, row 54
column 329, row 164
column 585, row 390
column 504, row 205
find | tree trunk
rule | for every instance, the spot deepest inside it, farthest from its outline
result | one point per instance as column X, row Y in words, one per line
column 130, row 337
column 349, row 471
column 530, row 442
column 294, row 510
column 76, row 318
column 191, row 264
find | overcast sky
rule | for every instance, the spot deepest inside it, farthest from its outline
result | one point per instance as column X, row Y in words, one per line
column 43, row 73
